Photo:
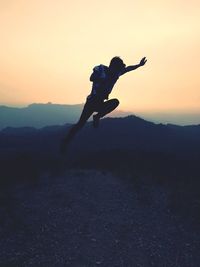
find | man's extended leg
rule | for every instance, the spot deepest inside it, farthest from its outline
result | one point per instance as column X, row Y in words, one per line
column 86, row 113
column 105, row 108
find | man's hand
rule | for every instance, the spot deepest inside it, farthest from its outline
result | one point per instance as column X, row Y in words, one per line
column 143, row 61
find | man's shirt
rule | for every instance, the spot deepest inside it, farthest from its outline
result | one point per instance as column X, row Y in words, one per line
column 103, row 86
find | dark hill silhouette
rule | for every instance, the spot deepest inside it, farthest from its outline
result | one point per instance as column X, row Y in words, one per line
column 114, row 133
column 135, row 133
column 129, row 142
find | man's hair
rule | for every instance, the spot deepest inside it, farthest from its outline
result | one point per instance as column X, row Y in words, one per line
column 116, row 63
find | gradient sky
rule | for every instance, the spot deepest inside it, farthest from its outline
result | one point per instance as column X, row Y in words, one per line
column 48, row 49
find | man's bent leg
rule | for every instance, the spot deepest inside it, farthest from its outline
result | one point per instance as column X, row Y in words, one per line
column 107, row 107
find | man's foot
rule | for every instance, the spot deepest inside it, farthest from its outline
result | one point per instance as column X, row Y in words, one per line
column 96, row 120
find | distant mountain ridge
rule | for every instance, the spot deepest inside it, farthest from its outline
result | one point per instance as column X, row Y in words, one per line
column 41, row 115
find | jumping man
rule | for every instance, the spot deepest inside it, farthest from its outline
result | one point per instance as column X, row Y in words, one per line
column 104, row 79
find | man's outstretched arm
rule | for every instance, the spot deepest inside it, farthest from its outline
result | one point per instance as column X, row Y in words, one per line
column 134, row 67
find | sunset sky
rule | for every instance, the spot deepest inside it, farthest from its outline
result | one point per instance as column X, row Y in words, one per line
column 48, row 49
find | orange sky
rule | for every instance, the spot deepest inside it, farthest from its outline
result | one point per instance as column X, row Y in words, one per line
column 48, row 49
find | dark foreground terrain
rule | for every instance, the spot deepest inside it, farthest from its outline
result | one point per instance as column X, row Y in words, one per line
column 94, row 218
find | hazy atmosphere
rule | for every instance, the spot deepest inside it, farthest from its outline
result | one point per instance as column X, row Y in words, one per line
column 118, row 185
column 48, row 49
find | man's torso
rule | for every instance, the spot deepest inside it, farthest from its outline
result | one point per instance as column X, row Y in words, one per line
column 102, row 88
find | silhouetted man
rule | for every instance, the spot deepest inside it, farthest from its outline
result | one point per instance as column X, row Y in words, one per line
column 103, row 78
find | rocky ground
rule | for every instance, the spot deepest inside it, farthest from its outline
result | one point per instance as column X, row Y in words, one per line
column 90, row 218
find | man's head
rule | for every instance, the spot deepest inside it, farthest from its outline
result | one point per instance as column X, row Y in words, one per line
column 116, row 64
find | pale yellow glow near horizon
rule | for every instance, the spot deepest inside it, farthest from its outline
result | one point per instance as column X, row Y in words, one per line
column 48, row 49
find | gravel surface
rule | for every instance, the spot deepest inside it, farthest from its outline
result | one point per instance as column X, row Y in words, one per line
column 90, row 218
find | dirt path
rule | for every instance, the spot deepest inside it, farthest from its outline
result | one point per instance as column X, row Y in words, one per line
column 90, row 218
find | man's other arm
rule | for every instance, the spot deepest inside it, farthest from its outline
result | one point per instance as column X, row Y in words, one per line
column 134, row 67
